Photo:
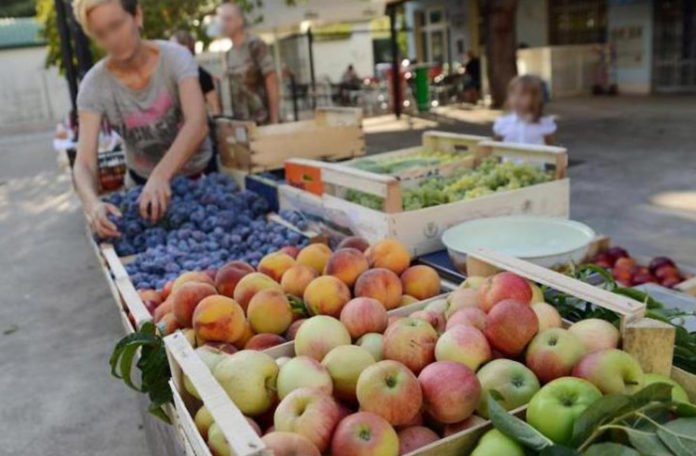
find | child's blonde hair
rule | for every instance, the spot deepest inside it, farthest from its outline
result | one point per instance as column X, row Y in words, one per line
column 81, row 9
column 533, row 85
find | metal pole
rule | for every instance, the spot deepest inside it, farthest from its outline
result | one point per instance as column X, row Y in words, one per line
column 312, row 78
column 396, row 76
column 82, row 51
column 67, row 54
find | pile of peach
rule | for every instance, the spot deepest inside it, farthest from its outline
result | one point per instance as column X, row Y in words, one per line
column 371, row 383
column 240, row 307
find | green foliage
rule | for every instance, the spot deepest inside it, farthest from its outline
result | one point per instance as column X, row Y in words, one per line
column 514, row 427
column 18, row 8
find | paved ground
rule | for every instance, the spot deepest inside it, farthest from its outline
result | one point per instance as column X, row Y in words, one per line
column 634, row 178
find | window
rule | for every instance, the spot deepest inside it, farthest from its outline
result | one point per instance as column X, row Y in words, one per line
column 577, row 21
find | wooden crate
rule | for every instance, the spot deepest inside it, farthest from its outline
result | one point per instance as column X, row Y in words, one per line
column 333, row 134
column 650, row 341
column 688, row 286
column 422, row 229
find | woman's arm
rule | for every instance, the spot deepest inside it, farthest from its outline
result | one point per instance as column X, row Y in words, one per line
column 273, row 93
column 156, row 193
column 213, row 101
column 85, row 172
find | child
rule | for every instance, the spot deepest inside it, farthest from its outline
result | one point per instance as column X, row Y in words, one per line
column 525, row 123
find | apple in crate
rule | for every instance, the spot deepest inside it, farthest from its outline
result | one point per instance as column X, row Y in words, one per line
column 554, row 409
column 596, row 334
column 553, row 353
column 436, row 320
column 303, row 372
column 319, row 335
column 461, row 298
column 289, row 444
column 373, row 343
column 473, row 420
column 547, row 315
column 503, row 286
column 510, row 325
column 364, row 315
column 678, row 392
column 391, row 390
column 469, row 316
column 364, row 434
column 410, row 341
column 310, row 413
column 465, row 345
column 513, row 381
column 344, row 364
column 414, row 437
column 495, row 443
column 249, row 379
column 451, row 391
column 612, row 371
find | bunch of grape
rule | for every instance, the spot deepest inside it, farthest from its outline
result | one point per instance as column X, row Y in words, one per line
column 489, row 177
column 208, row 222
column 401, row 163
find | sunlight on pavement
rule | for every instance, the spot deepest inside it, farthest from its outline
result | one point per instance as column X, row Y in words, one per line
column 684, row 201
column 389, row 123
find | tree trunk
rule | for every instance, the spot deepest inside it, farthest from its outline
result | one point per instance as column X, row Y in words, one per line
column 501, row 46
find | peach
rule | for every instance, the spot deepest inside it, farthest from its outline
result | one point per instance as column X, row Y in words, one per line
column 191, row 276
column 296, row 279
column 269, row 312
column 461, row 298
column 186, row 298
column 167, row 289
column 504, row 285
column 315, row 256
column 219, row 319
column 224, row 347
column 406, row 300
column 381, row 284
column 354, row 242
column 326, row 295
column 390, row 254
column 364, row 315
column 421, row 282
column 162, row 310
column 264, row 341
column 471, row 316
column 190, row 335
column 229, row 275
column 203, row 420
column 346, row 265
column 291, row 250
column 436, row 320
column 252, row 284
column 168, row 324
column 151, row 298
column 275, row 264
column 294, row 327
column 246, row 336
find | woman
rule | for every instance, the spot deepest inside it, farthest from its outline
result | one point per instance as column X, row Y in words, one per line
column 205, row 79
column 149, row 92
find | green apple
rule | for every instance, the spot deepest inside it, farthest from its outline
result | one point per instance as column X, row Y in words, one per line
column 553, row 353
column 300, row 372
column 344, row 364
column 554, row 409
column 512, row 380
column 373, row 343
column 495, row 443
column 249, row 379
column 678, row 392
column 611, row 370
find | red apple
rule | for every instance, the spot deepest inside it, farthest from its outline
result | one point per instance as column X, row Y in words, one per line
column 469, row 316
column 465, row 345
column 472, row 421
column 364, row 315
column 553, row 353
column 625, row 263
column 414, row 437
column 547, row 315
column 289, row 444
column 658, row 262
column 389, row 389
column 451, row 391
column 410, row 341
column 617, row 252
column 436, row 320
column 364, row 434
column 510, row 325
column 310, row 413
column 596, row 334
column 502, row 286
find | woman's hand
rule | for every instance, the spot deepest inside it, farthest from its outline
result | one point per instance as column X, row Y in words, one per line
column 155, row 198
column 97, row 215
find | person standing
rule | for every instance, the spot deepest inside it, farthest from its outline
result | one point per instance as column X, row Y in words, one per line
column 149, row 92
column 249, row 70
column 205, row 79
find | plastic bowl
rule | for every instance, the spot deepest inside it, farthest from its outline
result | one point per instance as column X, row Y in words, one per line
column 546, row 241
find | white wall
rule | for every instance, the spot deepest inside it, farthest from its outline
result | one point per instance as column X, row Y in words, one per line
column 332, row 57
column 532, row 23
column 29, row 93
column 633, row 55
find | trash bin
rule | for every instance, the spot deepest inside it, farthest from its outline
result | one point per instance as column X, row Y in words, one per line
column 422, row 87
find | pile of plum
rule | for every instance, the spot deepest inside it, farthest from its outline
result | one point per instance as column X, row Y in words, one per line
column 208, row 223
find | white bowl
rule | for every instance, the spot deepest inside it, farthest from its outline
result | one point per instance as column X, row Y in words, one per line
column 546, row 241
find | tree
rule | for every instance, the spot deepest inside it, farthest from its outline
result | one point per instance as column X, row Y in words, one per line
column 162, row 19
column 17, row 8
column 501, row 46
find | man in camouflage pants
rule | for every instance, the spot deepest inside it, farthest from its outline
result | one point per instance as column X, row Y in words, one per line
column 249, row 70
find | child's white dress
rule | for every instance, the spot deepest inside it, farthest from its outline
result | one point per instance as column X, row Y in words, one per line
column 512, row 128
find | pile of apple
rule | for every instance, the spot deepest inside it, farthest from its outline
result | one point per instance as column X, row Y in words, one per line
column 365, row 382
column 239, row 307
column 628, row 272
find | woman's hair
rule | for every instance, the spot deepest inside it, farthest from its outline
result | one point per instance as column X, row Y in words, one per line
column 185, row 38
column 534, row 86
column 81, row 8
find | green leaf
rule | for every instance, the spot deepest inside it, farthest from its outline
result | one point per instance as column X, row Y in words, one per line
column 558, row 450
column 610, row 449
column 514, row 427
column 647, row 442
column 685, row 409
column 655, row 392
column 126, row 365
column 599, row 412
column 680, row 436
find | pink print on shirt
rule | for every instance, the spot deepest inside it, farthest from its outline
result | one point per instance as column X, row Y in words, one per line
column 162, row 104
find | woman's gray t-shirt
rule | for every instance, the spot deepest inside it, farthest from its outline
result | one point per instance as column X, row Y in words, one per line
column 148, row 119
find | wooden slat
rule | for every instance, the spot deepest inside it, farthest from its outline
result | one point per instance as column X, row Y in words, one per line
column 353, row 178
column 688, row 286
column 443, row 141
column 557, row 156
column 242, row 439
column 651, row 343
column 125, row 287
